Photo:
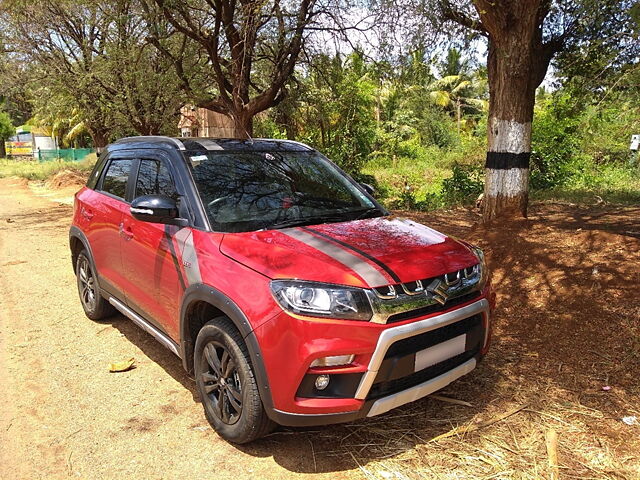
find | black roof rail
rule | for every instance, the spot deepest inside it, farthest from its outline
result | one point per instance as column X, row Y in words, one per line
column 151, row 139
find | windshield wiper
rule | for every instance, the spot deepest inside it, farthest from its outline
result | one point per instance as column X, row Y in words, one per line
column 365, row 212
column 298, row 222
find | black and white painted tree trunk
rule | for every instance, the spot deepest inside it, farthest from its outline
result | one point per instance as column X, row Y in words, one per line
column 517, row 63
column 512, row 97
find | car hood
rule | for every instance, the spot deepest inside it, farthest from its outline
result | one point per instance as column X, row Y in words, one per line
column 365, row 253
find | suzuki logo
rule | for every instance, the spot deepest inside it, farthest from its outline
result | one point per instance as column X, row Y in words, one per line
column 439, row 291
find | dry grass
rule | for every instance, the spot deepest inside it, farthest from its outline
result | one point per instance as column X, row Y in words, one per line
column 566, row 326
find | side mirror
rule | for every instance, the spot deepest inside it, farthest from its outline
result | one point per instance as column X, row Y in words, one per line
column 368, row 188
column 157, row 209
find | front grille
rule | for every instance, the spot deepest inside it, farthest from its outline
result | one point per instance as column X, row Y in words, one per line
column 428, row 339
column 418, row 312
column 383, row 389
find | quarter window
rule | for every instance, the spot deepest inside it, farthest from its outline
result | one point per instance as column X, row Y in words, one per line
column 154, row 178
column 116, row 176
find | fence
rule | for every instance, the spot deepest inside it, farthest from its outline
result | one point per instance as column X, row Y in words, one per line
column 66, row 154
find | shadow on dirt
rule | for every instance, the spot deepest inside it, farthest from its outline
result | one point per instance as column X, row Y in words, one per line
column 567, row 302
column 336, row 448
column 154, row 350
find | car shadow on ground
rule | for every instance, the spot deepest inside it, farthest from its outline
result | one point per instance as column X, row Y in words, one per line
column 155, row 351
column 336, row 448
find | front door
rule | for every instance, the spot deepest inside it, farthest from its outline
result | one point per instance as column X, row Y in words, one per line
column 103, row 213
column 154, row 283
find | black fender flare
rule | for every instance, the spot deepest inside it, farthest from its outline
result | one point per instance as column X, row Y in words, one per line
column 217, row 299
column 76, row 233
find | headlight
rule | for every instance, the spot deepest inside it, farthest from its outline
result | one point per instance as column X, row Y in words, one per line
column 483, row 267
column 322, row 300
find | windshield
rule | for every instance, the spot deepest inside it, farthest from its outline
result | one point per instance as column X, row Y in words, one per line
column 247, row 191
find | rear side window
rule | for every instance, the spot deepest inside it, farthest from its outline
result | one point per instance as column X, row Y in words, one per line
column 116, row 176
column 154, row 178
column 97, row 170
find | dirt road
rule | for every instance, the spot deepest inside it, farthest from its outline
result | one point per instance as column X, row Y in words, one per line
column 567, row 325
column 63, row 413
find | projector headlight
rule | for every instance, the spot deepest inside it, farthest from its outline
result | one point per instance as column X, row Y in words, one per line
column 322, row 299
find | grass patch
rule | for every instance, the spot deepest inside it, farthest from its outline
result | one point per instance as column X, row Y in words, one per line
column 435, row 178
column 611, row 182
column 427, row 178
column 34, row 170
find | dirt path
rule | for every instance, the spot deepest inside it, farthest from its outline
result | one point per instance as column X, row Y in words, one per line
column 63, row 414
column 567, row 325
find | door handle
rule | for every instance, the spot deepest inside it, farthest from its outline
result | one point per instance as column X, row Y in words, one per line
column 86, row 214
column 125, row 233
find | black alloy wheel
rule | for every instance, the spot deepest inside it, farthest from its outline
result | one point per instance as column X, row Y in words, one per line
column 227, row 384
column 95, row 306
column 221, row 382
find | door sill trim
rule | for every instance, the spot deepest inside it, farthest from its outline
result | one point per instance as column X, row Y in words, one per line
column 145, row 325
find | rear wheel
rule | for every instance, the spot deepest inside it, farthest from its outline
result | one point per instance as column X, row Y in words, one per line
column 227, row 385
column 95, row 305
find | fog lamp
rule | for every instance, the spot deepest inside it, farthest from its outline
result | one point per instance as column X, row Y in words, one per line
column 322, row 382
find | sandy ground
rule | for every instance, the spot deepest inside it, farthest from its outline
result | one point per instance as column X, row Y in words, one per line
column 567, row 325
column 63, row 413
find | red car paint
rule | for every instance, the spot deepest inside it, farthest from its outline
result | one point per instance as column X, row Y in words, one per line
column 153, row 265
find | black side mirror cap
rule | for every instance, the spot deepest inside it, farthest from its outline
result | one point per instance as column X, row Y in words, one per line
column 368, row 188
column 157, row 209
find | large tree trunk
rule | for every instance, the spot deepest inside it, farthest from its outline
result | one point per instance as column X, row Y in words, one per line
column 512, row 97
column 517, row 63
column 243, row 124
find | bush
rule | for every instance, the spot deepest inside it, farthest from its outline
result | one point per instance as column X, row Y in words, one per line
column 555, row 144
column 464, row 186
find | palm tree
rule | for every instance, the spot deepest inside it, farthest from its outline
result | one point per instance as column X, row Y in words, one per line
column 456, row 92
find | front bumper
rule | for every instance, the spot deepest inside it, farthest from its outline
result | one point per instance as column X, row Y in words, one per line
column 375, row 407
column 391, row 381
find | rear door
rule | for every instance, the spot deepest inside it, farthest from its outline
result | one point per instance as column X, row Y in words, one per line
column 154, row 282
column 104, row 212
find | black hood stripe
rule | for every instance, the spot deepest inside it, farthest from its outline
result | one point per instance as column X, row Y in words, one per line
column 382, row 265
column 370, row 274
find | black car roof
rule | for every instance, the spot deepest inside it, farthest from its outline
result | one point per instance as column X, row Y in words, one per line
column 212, row 144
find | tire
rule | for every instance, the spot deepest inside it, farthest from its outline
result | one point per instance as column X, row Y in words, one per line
column 221, row 352
column 95, row 306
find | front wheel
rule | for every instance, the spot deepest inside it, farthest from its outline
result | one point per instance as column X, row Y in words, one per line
column 227, row 385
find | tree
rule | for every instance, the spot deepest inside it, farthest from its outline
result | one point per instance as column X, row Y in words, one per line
column 250, row 47
column 523, row 36
column 93, row 59
column 455, row 93
column 6, row 130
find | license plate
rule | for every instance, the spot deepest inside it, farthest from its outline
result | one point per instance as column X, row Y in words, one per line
column 440, row 352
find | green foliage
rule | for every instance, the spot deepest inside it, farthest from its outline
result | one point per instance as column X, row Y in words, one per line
column 6, row 127
column 554, row 142
column 582, row 146
column 464, row 186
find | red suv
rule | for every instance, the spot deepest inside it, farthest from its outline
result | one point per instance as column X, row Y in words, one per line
column 288, row 292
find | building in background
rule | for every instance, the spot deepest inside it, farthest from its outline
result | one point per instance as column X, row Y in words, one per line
column 28, row 141
column 200, row 122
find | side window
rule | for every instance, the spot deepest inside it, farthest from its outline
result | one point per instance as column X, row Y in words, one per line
column 116, row 176
column 154, row 178
column 97, row 170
